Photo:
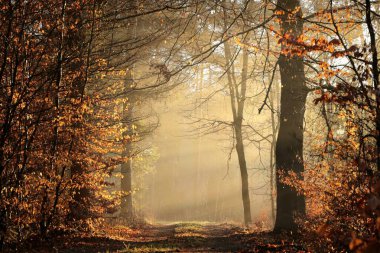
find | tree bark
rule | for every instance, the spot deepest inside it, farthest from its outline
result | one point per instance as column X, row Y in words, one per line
column 243, row 174
column 375, row 75
column 237, row 105
column 126, row 209
column 289, row 147
column 274, row 123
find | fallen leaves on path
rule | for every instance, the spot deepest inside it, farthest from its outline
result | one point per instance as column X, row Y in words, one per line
column 177, row 237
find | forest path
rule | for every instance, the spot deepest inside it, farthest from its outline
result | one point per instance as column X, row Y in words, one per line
column 177, row 237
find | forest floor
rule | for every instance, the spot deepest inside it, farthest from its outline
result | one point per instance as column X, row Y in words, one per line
column 177, row 237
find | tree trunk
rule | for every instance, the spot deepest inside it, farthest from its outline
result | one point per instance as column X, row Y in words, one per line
column 243, row 174
column 237, row 97
column 375, row 74
column 289, row 147
column 274, row 124
column 126, row 209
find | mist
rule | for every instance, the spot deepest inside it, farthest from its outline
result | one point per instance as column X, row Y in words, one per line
column 195, row 174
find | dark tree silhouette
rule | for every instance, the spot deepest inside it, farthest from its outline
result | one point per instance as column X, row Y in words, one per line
column 289, row 147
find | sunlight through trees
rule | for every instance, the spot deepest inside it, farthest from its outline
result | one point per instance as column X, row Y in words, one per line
column 119, row 118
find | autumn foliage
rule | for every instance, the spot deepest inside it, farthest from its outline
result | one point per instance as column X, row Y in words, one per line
column 55, row 130
column 341, row 179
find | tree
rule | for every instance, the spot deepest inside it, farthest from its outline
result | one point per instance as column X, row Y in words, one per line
column 237, row 96
column 289, row 146
column 56, row 130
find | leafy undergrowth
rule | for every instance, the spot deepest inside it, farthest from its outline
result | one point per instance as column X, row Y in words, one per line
column 178, row 237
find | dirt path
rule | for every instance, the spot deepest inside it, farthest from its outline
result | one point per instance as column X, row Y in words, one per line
column 191, row 237
column 179, row 237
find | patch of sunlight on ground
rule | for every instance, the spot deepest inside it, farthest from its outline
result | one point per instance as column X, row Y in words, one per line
column 150, row 248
